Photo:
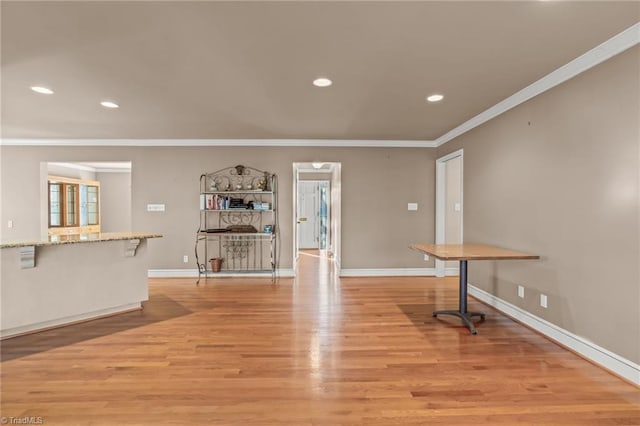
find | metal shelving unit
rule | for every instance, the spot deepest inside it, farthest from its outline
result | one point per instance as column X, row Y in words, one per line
column 238, row 222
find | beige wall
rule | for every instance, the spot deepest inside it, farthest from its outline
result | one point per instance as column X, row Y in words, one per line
column 558, row 176
column 115, row 201
column 377, row 184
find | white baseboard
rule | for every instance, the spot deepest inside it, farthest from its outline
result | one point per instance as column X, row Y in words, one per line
column 599, row 355
column 449, row 272
column 172, row 273
column 193, row 273
column 46, row 325
column 388, row 272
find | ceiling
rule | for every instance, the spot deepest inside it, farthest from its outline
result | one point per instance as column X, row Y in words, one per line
column 243, row 70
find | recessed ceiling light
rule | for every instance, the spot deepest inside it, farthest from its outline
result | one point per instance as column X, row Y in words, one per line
column 109, row 104
column 43, row 90
column 322, row 82
column 436, row 97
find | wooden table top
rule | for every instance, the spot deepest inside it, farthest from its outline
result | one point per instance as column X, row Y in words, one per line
column 470, row 252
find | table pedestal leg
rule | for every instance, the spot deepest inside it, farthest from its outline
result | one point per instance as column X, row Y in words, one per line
column 462, row 313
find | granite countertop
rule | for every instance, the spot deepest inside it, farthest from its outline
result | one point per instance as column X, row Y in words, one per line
column 80, row 238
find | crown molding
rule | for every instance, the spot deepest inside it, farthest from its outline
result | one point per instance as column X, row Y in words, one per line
column 76, row 166
column 221, row 142
column 615, row 45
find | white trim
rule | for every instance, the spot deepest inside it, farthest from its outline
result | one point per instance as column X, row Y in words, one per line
column 107, row 170
column 440, row 202
column 388, row 272
column 41, row 326
column 221, row 142
column 450, row 272
column 193, row 273
column 451, row 156
column 599, row 355
column 314, row 171
column 615, row 45
column 75, row 166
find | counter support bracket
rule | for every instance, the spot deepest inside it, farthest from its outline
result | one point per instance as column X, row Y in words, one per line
column 130, row 247
column 27, row 257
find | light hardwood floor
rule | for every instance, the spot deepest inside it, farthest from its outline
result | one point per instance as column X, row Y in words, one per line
column 312, row 351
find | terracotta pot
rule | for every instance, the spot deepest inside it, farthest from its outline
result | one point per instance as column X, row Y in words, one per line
column 216, row 264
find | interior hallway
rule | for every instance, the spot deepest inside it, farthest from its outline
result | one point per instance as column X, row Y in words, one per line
column 315, row 350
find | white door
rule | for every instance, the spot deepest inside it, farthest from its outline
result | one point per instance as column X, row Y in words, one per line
column 449, row 206
column 308, row 215
column 453, row 206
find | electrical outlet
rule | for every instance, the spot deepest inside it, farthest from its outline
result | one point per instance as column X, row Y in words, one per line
column 10, row 224
column 185, row 258
column 543, row 300
column 521, row 291
column 426, row 257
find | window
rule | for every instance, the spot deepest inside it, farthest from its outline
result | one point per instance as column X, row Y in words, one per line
column 70, row 204
column 55, row 204
column 88, row 205
column 73, row 205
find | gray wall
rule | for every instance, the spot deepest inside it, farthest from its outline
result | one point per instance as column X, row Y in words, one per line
column 558, row 176
column 377, row 184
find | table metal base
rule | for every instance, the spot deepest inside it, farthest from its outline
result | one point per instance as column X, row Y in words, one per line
column 465, row 317
column 462, row 313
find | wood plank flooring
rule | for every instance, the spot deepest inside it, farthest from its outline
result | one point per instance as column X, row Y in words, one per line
column 316, row 350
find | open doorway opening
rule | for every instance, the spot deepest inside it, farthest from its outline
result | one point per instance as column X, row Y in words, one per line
column 316, row 214
column 85, row 197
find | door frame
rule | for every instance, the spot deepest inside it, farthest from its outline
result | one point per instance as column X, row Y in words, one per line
column 335, row 199
column 440, row 202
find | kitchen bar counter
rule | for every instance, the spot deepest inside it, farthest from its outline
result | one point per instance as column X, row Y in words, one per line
column 79, row 238
column 61, row 280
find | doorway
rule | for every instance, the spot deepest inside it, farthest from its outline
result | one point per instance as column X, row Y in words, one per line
column 449, row 206
column 316, row 210
column 313, row 214
column 85, row 197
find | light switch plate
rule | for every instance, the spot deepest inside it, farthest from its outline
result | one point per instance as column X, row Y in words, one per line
column 521, row 291
column 155, row 207
column 412, row 206
column 543, row 300
column 456, row 207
